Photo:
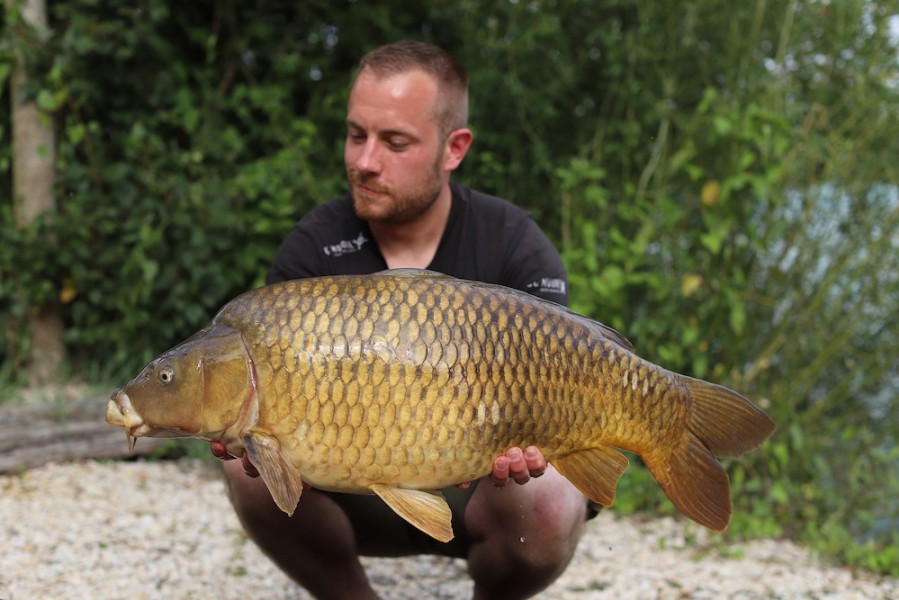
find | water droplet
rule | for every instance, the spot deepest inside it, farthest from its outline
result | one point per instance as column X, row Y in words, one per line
column 521, row 539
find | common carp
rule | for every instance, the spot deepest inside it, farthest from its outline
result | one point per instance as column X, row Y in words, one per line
column 406, row 381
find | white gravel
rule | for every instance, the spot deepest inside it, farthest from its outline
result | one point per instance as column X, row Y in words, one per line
column 166, row 530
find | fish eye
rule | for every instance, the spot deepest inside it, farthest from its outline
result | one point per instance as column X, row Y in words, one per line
column 166, row 374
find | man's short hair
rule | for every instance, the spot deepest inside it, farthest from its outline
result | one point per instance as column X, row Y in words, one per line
column 452, row 79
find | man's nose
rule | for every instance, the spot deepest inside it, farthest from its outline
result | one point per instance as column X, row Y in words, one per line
column 368, row 157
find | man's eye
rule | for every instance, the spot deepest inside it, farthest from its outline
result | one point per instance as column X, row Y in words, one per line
column 396, row 144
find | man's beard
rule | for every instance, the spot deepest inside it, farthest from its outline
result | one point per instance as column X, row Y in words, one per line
column 403, row 208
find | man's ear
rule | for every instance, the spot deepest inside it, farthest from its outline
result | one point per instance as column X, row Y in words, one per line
column 457, row 144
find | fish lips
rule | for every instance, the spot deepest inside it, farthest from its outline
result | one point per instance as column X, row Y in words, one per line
column 120, row 413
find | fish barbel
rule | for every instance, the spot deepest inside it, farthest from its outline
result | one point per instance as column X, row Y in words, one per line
column 404, row 382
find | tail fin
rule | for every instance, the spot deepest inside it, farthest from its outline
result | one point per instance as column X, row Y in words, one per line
column 725, row 421
column 720, row 422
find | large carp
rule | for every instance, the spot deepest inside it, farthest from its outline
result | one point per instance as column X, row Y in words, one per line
column 404, row 382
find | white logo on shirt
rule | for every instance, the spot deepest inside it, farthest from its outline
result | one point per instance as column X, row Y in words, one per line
column 548, row 285
column 345, row 246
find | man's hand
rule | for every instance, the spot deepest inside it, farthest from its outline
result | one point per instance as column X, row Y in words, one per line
column 219, row 451
column 518, row 466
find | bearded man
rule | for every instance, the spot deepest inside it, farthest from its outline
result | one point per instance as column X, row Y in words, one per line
column 406, row 133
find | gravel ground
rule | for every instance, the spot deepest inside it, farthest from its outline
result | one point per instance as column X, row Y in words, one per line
column 165, row 530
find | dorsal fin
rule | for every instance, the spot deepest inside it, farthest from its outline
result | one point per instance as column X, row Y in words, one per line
column 409, row 272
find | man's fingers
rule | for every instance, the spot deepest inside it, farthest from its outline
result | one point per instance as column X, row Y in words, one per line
column 500, row 475
column 536, row 462
column 219, row 451
column 248, row 467
column 518, row 466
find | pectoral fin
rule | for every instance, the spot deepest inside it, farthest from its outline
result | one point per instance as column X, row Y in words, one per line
column 281, row 477
column 425, row 510
column 595, row 472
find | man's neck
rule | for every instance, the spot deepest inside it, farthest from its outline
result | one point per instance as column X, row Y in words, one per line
column 414, row 244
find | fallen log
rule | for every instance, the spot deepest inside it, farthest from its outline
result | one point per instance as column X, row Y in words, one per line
column 34, row 434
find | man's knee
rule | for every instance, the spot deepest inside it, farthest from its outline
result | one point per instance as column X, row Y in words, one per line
column 525, row 552
column 557, row 529
column 536, row 526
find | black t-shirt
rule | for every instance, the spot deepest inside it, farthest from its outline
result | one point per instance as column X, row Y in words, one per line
column 486, row 239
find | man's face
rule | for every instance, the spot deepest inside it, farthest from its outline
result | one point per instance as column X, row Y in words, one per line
column 394, row 152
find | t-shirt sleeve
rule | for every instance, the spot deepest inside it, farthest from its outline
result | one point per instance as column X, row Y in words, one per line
column 535, row 266
column 296, row 258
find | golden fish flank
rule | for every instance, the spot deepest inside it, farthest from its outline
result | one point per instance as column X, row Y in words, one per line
column 404, row 382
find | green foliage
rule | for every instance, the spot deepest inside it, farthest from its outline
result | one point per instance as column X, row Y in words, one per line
column 722, row 182
column 753, row 240
column 175, row 183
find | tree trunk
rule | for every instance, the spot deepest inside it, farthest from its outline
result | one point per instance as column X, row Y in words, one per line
column 35, row 434
column 33, row 163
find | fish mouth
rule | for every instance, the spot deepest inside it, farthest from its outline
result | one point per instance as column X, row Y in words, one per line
column 120, row 413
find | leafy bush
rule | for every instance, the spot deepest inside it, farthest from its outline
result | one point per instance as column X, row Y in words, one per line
column 177, row 177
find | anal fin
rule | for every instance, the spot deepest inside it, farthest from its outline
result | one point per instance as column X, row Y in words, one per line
column 428, row 511
column 595, row 472
column 282, row 479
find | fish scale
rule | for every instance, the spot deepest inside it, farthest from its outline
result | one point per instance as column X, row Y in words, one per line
column 404, row 382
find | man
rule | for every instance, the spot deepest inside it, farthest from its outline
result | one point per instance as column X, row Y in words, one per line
column 406, row 133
